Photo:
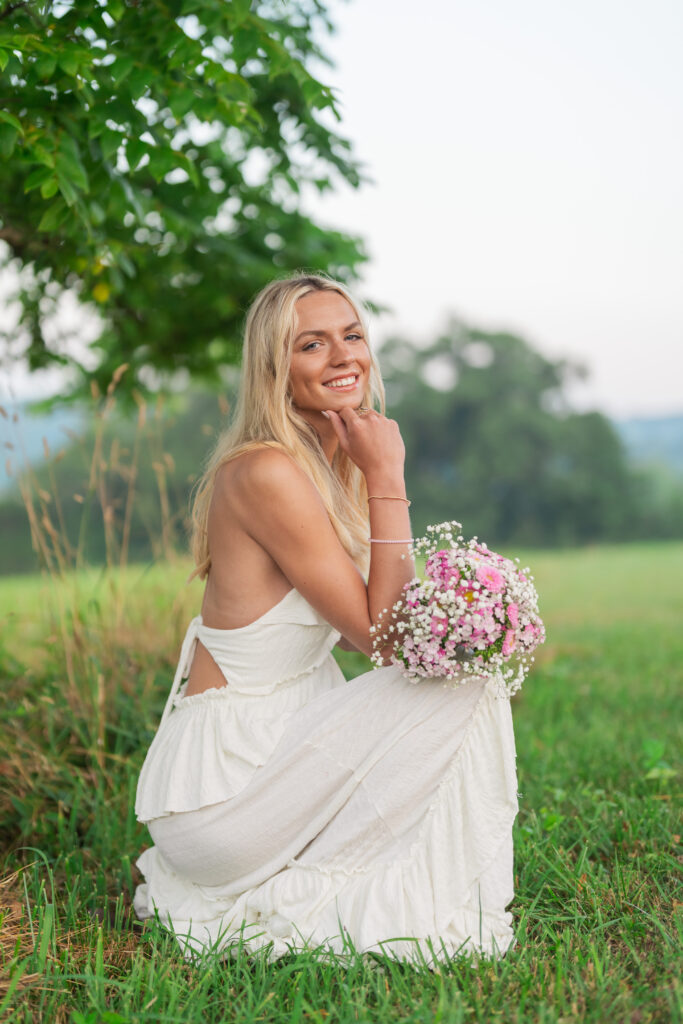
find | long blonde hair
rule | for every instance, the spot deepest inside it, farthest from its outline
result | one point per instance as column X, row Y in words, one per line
column 265, row 416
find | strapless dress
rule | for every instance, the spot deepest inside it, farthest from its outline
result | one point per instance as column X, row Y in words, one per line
column 292, row 809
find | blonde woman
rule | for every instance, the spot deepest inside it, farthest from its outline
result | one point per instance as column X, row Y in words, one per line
column 287, row 807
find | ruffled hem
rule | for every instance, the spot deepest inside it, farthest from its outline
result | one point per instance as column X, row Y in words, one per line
column 446, row 896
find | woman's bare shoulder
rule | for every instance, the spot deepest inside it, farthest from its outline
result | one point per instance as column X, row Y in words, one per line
column 262, row 474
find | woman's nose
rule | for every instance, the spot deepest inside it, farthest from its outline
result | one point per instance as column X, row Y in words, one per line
column 340, row 352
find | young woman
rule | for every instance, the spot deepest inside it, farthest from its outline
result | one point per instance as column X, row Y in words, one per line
column 287, row 806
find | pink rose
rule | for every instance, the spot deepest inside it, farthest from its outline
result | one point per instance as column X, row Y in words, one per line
column 513, row 615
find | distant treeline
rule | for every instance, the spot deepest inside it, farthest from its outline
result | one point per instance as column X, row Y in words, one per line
column 489, row 436
column 492, row 441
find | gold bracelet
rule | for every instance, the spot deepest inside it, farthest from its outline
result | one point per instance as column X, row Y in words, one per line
column 388, row 497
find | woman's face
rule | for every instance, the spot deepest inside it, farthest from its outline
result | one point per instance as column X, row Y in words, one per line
column 330, row 363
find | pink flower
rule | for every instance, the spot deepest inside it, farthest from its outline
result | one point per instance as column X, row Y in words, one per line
column 439, row 567
column 529, row 634
column 509, row 643
column 513, row 615
column 439, row 625
column 490, row 578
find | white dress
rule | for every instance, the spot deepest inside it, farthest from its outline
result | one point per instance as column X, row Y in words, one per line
column 291, row 808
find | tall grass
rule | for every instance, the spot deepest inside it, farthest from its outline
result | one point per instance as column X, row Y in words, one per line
column 87, row 655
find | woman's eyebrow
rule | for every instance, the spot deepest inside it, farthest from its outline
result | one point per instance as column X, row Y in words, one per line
column 356, row 323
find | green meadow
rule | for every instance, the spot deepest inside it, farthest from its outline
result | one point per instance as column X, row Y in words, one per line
column 86, row 664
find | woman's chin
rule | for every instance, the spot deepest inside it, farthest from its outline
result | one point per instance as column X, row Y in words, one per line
column 337, row 403
column 349, row 400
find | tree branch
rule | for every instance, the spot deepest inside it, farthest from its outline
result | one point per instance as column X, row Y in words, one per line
column 12, row 8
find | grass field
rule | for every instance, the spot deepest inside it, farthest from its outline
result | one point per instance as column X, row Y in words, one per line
column 86, row 665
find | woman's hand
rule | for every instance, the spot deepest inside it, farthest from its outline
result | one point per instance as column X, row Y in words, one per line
column 372, row 442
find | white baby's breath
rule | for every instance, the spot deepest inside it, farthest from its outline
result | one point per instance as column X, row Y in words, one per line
column 474, row 613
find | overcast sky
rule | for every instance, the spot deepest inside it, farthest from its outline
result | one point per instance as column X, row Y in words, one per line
column 528, row 168
column 527, row 160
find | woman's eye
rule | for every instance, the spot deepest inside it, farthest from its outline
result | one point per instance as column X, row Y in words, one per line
column 354, row 337
column 311, row 346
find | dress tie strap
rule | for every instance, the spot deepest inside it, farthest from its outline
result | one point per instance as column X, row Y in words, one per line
column 184, row 663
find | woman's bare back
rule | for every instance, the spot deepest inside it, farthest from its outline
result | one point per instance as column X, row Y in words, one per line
column 244, row 581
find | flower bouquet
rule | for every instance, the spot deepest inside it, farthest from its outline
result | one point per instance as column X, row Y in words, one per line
column 475, row 613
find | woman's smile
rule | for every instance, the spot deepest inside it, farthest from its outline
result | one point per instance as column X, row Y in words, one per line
column 347, row 383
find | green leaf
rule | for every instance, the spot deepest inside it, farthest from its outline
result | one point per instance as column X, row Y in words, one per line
column 42, row 155
column 66, row 188
column 193, row 172
column 138, row 81
column 49, row 188
column 121, row 67
column 161, row 161
column 96, row 123
column 239, row 11
column 279, row 60
column 183, row 161
column 68, row 146
column 180, row 102
column 69, row 62
column 8, row 138
column 126, row 264
column 4, row 57
column 235, row 86
column 314, row 94
column 45, row 66
column 73, row 172
column 110, row 142
column 11, row 119
column 37, row 177
column 116, row 9
column 135, row 150
column 131, row 196
column 53, row 216
column 97, row 214
column 69, row 164
column 110, row 1017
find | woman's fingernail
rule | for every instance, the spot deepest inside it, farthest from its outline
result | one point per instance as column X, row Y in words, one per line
column 325, row 414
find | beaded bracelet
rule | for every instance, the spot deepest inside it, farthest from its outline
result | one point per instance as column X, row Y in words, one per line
column 388, row 497
column 374, row 540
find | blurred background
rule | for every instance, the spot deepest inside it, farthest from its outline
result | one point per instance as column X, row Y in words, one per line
column 502, row 184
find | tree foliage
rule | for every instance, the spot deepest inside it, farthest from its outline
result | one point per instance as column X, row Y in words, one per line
column 152, row 158
column 491, row 441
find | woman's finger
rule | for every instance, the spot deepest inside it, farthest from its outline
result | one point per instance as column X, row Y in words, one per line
column 338, row 425
column 349, row 416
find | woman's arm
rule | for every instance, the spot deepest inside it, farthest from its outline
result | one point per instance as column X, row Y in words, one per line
column 376, row 446
column 280, row 508
column 345, row 645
